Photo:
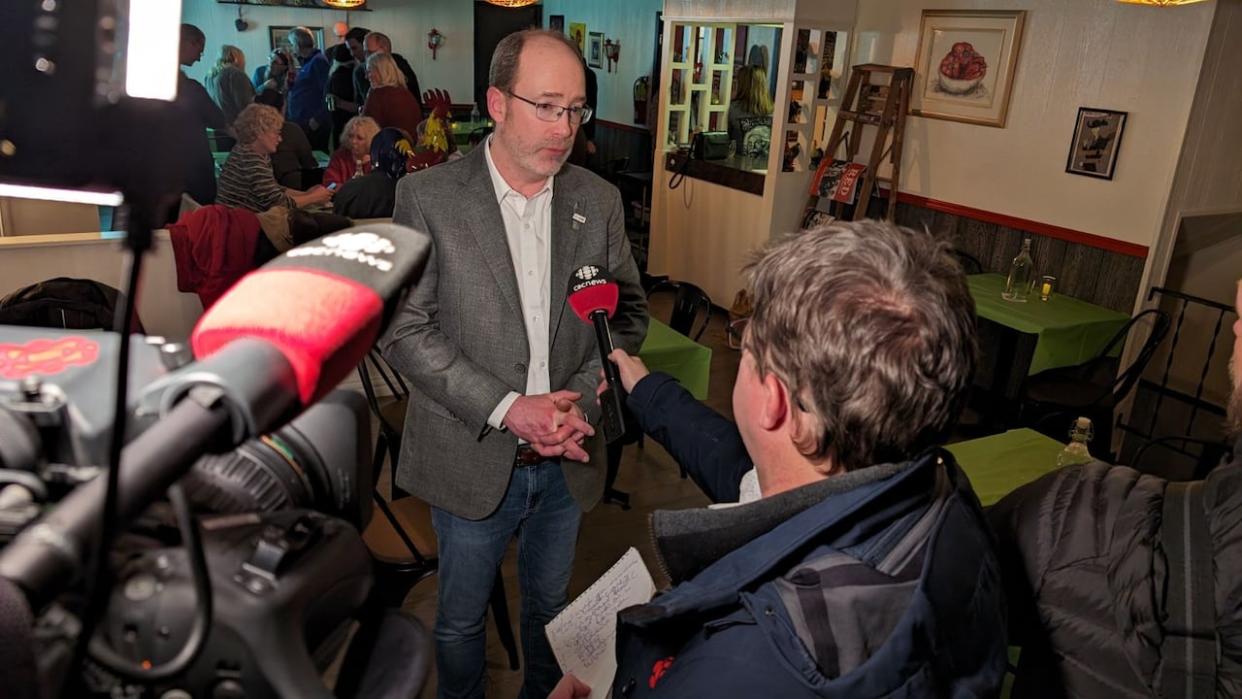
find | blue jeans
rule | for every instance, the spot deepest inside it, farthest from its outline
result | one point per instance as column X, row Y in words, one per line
column 545, row 517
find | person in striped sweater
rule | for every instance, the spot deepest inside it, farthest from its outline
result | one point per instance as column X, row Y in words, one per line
column 246, row 180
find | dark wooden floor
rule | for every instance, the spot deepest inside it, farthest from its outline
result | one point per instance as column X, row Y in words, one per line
column 648, row 474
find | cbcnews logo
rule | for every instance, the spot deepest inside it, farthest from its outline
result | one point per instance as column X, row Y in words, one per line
column 356, row 247
column 587, row 272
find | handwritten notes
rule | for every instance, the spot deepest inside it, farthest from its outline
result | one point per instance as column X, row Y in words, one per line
column 584, row 635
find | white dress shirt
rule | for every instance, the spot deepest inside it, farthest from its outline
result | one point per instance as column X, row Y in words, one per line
column 528, row 228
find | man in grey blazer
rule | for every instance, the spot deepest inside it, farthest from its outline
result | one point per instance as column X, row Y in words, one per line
column 499, row 438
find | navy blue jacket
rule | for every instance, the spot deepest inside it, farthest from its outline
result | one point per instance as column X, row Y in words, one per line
column 725, row 629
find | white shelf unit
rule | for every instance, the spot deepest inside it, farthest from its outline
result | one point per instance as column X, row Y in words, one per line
column 700, row 83
column 814, row 93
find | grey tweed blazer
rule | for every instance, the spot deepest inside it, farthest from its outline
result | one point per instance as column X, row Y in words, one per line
column 461, row 341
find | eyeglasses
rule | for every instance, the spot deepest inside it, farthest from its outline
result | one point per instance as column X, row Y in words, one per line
column 546, row 111
column 736, row 332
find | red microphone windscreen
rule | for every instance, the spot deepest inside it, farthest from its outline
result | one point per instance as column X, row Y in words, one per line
column 592, row 289
column 323, row 323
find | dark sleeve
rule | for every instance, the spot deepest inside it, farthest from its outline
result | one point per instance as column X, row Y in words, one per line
column 701, row 440
column 361, row 85
column 193, row 96
column 302, row 148
column 1026, row 528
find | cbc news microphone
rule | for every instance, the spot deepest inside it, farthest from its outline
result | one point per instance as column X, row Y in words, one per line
column 289, row 332
column 277, row 341
column 593, row 295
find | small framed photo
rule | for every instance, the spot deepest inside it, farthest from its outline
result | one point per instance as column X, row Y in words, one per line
column 556, row 23
column 279, row 36
column 595, row 50
column 1097, row 138
column 578, row 32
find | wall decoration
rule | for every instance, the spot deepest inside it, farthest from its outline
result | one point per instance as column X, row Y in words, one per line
column 556, row 23
column 1097, row 138
column 595, row 50
column 966, row 63
column 578, row 32
column 279, row 37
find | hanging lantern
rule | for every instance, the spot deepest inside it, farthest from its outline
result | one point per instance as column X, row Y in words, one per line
column 1160, row 3
column 512, row 3
column 345, row 4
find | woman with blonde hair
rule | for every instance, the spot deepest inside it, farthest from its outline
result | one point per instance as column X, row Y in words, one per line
column 228, row 85
column 750, row 112
column 353, row 158
column 246, row 180
column 389, row 103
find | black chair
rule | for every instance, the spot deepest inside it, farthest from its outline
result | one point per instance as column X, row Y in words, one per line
column 970, row 264
column 396, row 576
column 692, row 308
column 1052, row 399
column 1211, row 453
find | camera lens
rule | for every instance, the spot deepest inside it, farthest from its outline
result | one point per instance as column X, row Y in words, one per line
column 320, row 461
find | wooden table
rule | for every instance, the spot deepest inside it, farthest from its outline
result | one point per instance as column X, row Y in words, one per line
column 998, row 464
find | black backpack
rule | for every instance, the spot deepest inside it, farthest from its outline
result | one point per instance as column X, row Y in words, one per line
column 72, row 304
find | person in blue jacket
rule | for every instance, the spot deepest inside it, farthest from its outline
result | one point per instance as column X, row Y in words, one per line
column 856, row 561
column 306, row 105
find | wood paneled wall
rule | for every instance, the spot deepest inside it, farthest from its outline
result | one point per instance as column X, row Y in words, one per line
column 1089, row 273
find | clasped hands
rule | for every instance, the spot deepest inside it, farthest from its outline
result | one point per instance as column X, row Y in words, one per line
column 552, row 423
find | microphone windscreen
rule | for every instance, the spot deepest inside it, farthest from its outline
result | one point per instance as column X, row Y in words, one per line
column 591, row 288
column 322, row 304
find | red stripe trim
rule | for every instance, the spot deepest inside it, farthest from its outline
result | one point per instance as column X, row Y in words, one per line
column 621, row 127
column 1023, row 224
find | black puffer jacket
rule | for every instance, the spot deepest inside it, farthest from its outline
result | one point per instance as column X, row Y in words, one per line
column 1087, row 580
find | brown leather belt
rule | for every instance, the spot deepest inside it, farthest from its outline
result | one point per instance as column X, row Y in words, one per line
column 527, row 456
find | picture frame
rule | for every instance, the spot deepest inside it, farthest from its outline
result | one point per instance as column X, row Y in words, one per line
column 578, row 32
column 1096, row 142
column 278, row 36
column 965, row 65
column 556, row 23
column 595, row 50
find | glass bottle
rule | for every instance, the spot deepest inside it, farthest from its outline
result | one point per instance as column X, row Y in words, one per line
column 1076, row 451
column 1021, row 275
column 474, row 113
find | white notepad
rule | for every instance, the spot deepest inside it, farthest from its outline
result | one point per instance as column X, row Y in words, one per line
column 584, row 635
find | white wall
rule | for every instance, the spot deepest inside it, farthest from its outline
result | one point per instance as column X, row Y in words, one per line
column 634, row 23
column 406, row 22
column 1075, row 53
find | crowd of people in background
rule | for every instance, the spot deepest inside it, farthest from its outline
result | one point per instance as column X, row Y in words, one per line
column 303, row 99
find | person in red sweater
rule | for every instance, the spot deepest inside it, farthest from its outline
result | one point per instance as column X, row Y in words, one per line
column 389, row 103
column 353, row 154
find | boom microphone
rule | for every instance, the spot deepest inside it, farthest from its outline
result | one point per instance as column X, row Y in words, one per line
column 593, row 296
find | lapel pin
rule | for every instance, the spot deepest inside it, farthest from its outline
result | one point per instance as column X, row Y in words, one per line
column 579, row 219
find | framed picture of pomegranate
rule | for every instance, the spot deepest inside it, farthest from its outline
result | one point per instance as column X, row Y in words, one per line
column 965, row 65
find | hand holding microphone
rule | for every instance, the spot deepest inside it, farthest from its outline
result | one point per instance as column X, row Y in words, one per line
column 631, row 369
column 593, row 296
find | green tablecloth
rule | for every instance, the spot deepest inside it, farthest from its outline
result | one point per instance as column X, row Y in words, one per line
column 675, row 354
column 1069, row 331
column 998, row 464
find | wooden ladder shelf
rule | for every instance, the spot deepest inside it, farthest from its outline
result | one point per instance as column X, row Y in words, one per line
column 882, row 105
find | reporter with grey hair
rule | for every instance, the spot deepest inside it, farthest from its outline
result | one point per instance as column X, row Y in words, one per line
column 858, row 562
column 306, row 105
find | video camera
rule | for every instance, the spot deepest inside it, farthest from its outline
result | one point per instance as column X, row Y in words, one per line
column 281, row 514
